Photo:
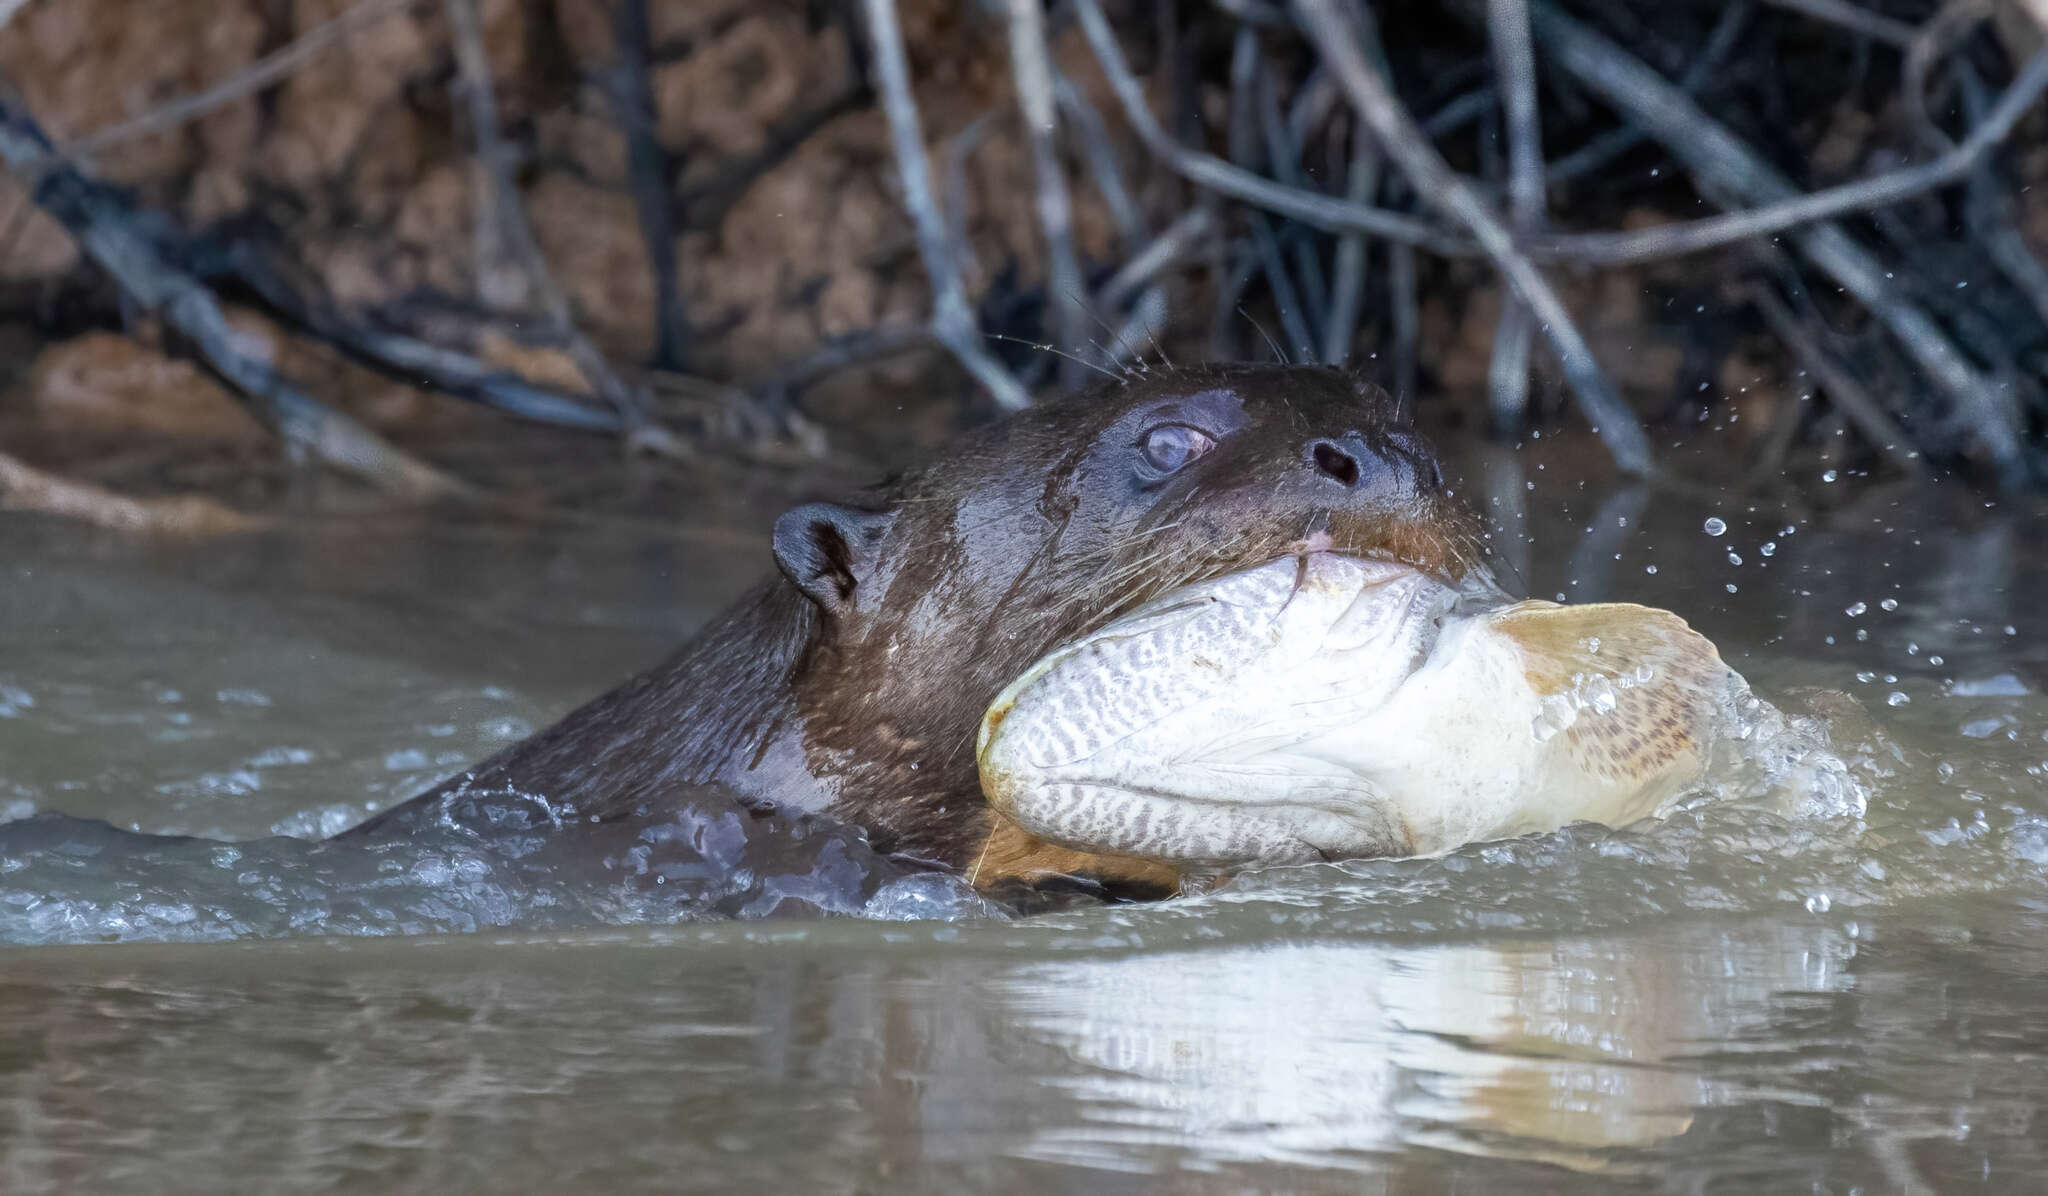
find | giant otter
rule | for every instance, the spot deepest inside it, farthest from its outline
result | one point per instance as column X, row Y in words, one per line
column 853, row 681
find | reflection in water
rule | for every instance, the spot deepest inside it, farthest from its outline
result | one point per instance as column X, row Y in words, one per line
column 1559, row 1050
column 1769, row 1054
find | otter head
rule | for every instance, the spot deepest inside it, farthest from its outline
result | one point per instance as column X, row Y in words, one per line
column 935, row 591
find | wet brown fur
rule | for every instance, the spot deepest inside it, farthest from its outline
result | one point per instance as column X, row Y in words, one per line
column 863, row 699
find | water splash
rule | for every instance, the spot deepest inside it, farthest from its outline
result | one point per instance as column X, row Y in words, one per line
column 489, row 860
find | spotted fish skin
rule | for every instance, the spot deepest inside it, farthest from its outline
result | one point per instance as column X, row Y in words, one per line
column 1324, row 706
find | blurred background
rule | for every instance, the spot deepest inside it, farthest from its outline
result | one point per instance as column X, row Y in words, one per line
column 379, row 251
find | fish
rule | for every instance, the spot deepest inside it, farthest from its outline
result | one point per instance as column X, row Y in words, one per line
column 1326, row 707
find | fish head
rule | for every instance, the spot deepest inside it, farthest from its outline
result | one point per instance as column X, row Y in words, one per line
column 1186, row 730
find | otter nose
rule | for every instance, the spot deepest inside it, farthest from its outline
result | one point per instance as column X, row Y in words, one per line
column 1335, row 460
column 1396, row 462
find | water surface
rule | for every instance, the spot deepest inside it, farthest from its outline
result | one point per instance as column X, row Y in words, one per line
column 1721, row 1002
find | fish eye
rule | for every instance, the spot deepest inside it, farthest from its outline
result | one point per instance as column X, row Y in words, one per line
column 1170, row 446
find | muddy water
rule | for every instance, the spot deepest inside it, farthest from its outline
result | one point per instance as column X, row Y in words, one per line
column 1721, row 1002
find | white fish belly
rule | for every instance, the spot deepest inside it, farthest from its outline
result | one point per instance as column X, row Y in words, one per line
column 1468, row 750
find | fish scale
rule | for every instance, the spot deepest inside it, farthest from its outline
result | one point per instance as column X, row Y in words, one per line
column 1326, row 706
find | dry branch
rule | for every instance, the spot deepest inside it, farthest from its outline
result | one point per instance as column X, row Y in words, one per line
column 23, row 487
column 107, row 233
column 1875, row 26
column 1206, row 170
column 1990, row 215
column 952, row 319
column 1712, row 232
column 1843, row 390
column 1289, row 220
column 1347, row 271
column 410, row 359
column 1031, row 70
column 1103, row 167
column 1179, row 241
column 473, row 71
column 258, row 75
column 649, row 169
column 1337, row 41
column 1514, row 56
column 1245, row 151
column 1729, row 172
column 1610, row 145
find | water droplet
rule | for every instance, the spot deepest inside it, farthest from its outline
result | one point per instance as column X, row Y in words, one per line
column 1889, row 604
column 1596, row 694
column 1829, row 476
column 1650, row 569
column 1734, row 558
column 1896, row 699
column 1714, row 526
column 1768, row 548
column 1731, row 587
column 1855, row 609
column 1818, row 903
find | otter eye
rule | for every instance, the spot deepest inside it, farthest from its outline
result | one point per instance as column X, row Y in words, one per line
column 1170, row 446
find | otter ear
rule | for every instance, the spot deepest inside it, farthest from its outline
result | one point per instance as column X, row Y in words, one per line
column 829, row 550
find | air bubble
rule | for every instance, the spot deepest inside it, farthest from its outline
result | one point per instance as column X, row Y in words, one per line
column 1888, row 604
column 1714, row 526
column 1896, row 699
column 1855, row 609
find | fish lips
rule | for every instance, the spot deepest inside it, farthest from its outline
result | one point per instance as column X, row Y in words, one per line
column 1184, row 731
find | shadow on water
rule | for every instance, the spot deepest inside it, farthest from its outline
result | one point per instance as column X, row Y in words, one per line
column 1724, row 1000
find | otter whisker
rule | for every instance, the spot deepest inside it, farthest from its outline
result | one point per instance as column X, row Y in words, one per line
column 1278, row 353
column 1152, row 334
column 1055, row 349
